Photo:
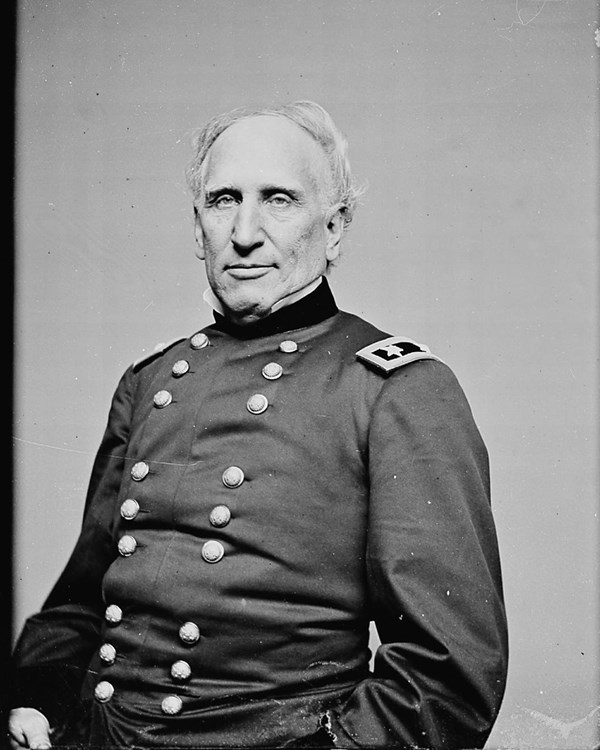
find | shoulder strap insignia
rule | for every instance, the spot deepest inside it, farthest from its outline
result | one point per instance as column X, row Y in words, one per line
column 156, row 352
column 393, row 352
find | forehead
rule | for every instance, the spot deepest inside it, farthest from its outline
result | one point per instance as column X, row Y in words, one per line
column 269, row 149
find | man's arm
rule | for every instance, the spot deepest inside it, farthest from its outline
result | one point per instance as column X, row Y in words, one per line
column 56, row 644
column 433, row 572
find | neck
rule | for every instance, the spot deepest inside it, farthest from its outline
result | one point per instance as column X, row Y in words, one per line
column 308, row 307
column 249, row 318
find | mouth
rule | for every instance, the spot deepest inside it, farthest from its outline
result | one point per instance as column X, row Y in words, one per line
column 247, row 270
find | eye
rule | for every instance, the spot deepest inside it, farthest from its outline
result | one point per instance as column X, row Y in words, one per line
column 280, row 200
column 224, row 201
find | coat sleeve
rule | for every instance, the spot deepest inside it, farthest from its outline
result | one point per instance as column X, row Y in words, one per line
column 433, row 574
column 56, row 644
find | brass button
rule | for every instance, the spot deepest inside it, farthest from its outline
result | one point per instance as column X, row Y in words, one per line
column 199, row 341
column 162, row 399
column 272, row 371
column 220, row 516
column 288, row 346
column 103, row 691
column 113, row 614
column 129, row 509
column 127, row 545
column 257, row 403
column 180, row 368
column 233, row 476
column 139, row 471
column 189, row 633
column 171, row 705
column 212, row 551
column 181, row 670
column 108, row 653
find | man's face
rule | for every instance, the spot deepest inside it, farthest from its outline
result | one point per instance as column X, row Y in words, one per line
column 263, row 224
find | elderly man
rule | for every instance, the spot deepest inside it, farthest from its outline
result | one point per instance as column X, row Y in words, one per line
column 264, row 490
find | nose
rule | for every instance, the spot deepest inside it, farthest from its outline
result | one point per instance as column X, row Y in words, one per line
column 247, row 232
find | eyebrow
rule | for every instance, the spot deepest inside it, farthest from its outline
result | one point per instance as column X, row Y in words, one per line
column 267, row 189
column 212, row 193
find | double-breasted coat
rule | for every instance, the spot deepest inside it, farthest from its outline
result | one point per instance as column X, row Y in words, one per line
column 260, row 495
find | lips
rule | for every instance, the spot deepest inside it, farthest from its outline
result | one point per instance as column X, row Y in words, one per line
column 248, row 270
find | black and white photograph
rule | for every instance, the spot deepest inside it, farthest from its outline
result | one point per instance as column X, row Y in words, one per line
column 305, row 441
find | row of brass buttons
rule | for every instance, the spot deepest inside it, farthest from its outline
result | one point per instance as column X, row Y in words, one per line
column 189, row 632
column 212, row 550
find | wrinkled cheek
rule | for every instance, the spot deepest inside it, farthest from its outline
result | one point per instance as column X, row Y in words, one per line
column 216, row 234
column 211, row 267
column 308, row 254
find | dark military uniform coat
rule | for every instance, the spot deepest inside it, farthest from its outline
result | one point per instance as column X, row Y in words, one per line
column 261, row 495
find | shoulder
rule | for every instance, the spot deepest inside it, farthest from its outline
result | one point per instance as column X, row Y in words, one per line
column 157, row 351
column 422, row 393
column 379, row 351
column 404, row 369
column 397, row 369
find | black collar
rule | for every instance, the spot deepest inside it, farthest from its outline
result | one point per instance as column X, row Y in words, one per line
column 308, row 311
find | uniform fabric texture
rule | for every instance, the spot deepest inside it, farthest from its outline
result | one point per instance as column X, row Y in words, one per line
column 263, row 541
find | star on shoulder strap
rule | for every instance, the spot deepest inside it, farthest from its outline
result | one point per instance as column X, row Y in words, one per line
column 393, row 352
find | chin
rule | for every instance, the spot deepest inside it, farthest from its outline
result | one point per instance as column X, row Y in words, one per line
column 247, row 308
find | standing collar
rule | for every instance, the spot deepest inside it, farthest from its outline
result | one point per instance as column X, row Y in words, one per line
column 211, row 298
column 310, row 309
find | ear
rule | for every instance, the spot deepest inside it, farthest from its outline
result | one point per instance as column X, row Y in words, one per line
column 334, row 229
column 198, row 235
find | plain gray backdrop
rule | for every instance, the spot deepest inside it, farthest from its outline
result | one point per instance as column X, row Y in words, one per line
column 475, row 126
